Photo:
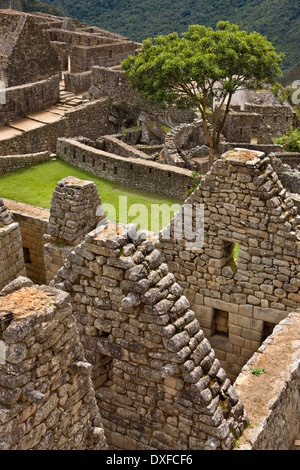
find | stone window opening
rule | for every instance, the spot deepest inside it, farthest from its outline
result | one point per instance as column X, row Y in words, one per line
column 268, row 328
column 83, row 158
column 220, row 323
column 231, row 255
column 103, row 370
column 110, row 54
column 26, row 254
column 115, row 170
column 74, row 154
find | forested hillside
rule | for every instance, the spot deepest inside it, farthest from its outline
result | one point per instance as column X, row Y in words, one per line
column 279, row 20
column 31, row 5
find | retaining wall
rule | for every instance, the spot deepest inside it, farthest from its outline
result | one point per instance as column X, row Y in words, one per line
column 133, row 172
column 89, row 120
column 272, row 399
column 25, row 99
column 14, row 162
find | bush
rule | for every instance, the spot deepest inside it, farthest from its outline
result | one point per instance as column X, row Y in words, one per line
column 197, row 176
column 290, row 141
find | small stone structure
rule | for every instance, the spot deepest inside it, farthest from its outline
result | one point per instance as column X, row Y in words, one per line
column 46, row 395
column 257, row 124
column 11, row 253
column 33, row 222
column 128, row 108
column 238, row 303
column 76, row 209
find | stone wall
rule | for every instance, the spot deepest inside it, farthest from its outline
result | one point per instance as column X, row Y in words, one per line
column 11, row 253
column 90, row 120
column 24, row 39
column 76, row 209
column 14, row 162
column 77, row 38
column 182, row 138
column 78, row 82
column 33, row 222
column 115, row 85
column 46, row 395
column 83, row 58
column 25, row 99
column 156, row 378
column 113, row 144
column 289, row 158
column 244, row 202
column 264, row 148
column 272, row 399
column 280, row 118
column 133, row 172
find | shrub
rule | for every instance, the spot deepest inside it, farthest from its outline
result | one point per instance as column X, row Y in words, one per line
column 290, row 141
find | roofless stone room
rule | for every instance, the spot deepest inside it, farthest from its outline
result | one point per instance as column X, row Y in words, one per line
column 149, row 233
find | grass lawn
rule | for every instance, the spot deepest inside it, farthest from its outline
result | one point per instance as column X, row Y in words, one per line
column 35, row 184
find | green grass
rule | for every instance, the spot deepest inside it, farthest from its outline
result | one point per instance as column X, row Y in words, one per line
column 35, row 184
column 236, row 251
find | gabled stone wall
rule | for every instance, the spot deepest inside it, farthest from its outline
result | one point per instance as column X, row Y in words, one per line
column 156, row 377
column 24, row 40
column 239, row 302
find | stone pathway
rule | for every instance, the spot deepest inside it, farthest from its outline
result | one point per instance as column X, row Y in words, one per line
column 37, row 119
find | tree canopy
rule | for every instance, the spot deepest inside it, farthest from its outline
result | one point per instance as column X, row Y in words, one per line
column 201, row 66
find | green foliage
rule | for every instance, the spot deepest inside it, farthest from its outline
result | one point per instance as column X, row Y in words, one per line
column 284, row 94
column 258, row 372
column 200, row 66
column 290, row 141
column 36, row 5
column 197, row 176
column 279, row 20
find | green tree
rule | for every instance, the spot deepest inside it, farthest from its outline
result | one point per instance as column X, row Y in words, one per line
column 201, row 66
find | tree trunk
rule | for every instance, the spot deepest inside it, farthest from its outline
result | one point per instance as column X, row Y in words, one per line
column 212, row 156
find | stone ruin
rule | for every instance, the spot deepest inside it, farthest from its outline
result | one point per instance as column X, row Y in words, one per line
column 75, row 211
column 137, row 341
column 11, row 253
column 124, row 339
column 46, row 395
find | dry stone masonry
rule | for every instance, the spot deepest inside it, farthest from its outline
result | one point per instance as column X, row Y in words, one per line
column 238, row 303
column 76, row 209
column 46, row 395
column 161, row 386
column 136, row 340
column 11, row 253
